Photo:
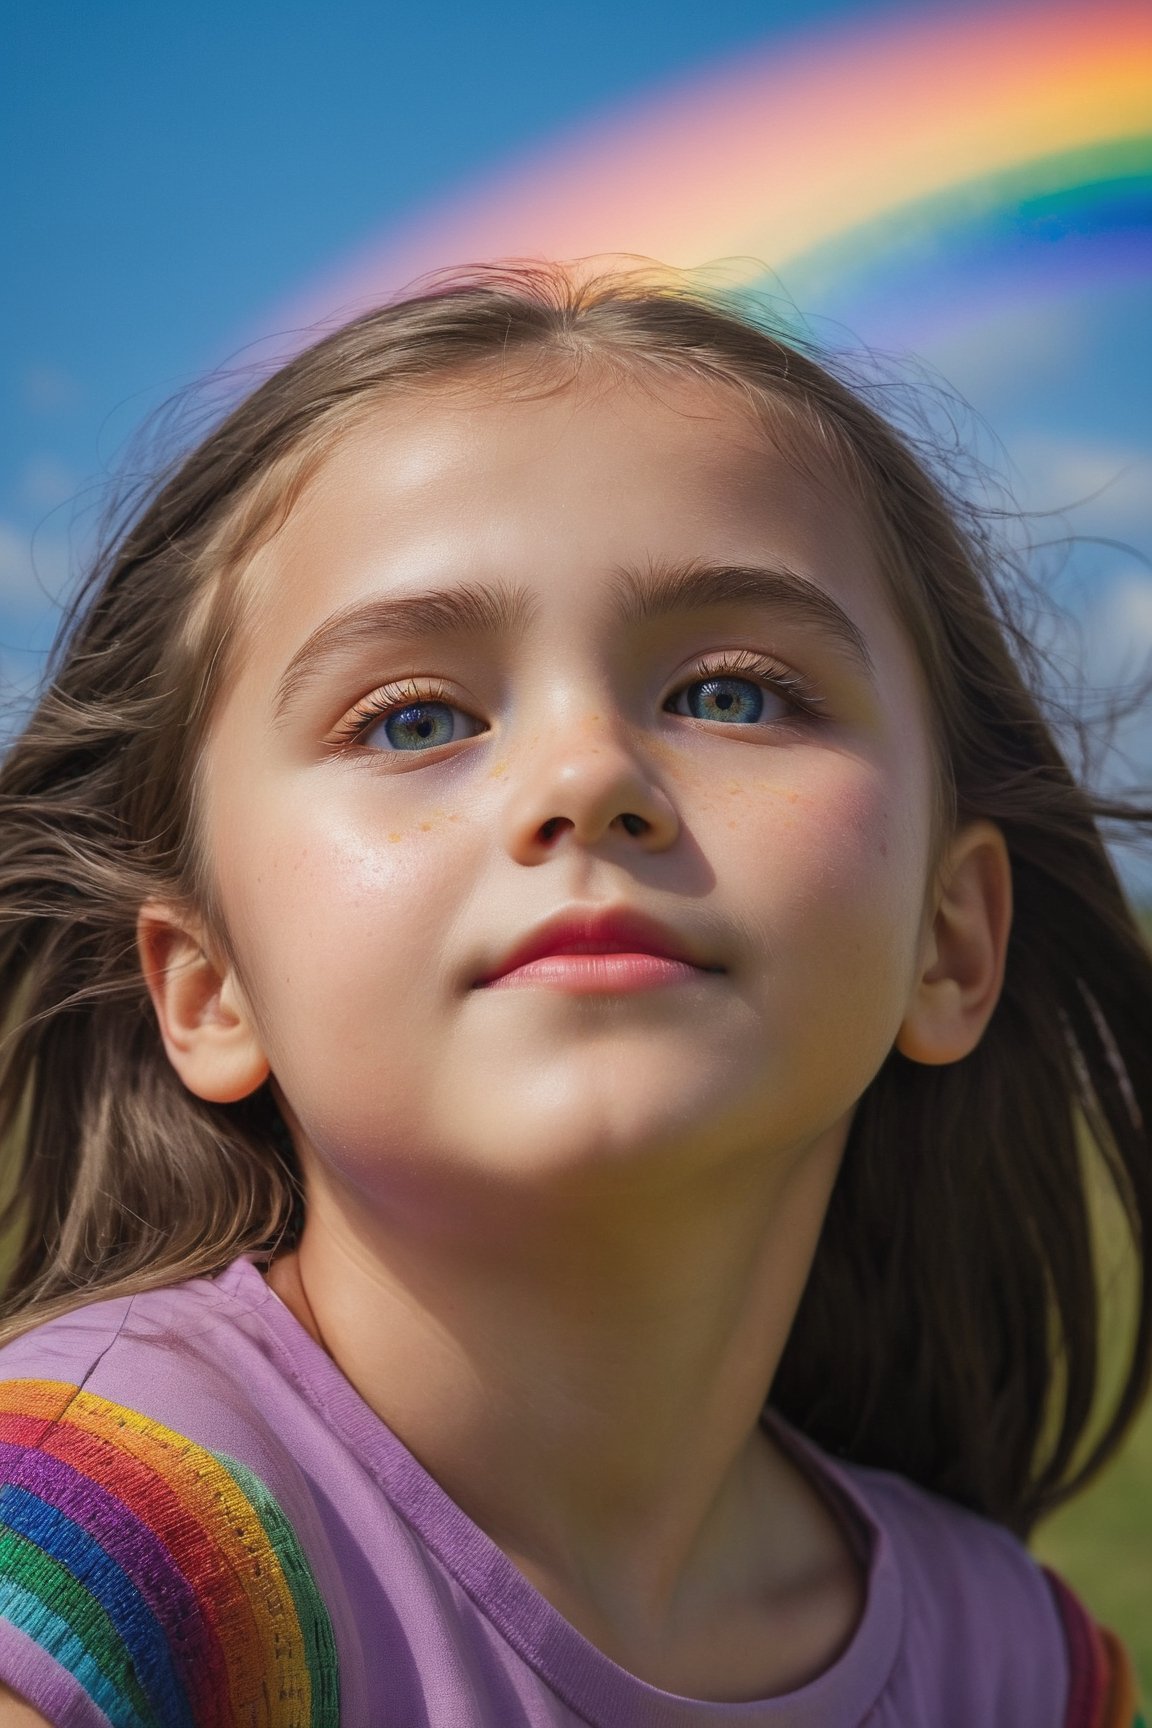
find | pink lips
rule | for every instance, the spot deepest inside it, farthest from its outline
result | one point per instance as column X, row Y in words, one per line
column 594, row 950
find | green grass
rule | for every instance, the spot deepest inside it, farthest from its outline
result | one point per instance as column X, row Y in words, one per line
column 1101, row 1544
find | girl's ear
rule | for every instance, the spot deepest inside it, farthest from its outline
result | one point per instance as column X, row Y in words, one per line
column 962, row 963
column 205, row 1022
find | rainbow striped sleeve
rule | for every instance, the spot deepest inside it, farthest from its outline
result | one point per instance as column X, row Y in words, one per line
column 1103, row 1690
column 164, row 1577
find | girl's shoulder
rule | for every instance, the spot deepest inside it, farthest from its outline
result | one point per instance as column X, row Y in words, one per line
column 124, row 1329
column 965, row 1572
column 150, row 1566
column 196, row 1359
column 982, row 1622
column 1103, row 1690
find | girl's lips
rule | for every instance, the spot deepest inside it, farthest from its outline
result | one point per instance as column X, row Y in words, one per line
column 599, row 947
column 589, row 974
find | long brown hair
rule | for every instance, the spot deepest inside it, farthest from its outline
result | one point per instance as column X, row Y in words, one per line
column 950, row 1326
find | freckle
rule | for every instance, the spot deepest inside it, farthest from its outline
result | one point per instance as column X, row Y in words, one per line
column 455, row 816
column 395, row 837
column 497, row 769
column 793, row 797
column 735, row 789
column 425, row 827
column 733, row 823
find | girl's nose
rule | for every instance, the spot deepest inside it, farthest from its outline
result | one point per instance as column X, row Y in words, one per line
column 589, row 790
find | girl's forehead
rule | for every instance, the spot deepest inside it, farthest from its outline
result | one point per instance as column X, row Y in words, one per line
column 480, row 429
column 572, row 481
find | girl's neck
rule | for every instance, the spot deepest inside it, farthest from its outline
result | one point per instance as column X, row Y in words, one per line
column 593, row 1400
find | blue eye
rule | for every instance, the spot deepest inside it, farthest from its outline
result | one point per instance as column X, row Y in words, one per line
column 735, row 699
column 743, row 688
column 418, row 726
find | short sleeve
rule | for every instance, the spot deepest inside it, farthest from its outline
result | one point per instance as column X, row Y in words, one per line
column 146, row 1581
column 1103, row 1689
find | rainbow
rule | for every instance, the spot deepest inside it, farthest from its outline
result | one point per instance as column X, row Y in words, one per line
column 162, row 1577
column 919, row 167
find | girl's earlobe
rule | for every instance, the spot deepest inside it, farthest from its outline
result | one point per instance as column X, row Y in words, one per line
column 204, row 1019
column 965, row 950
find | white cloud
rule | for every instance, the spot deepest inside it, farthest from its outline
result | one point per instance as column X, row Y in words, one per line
column 50, row 389
column 1004, row 354
column 34, row 570
column 1129, row 610
column 1118, row 629
column 1085, row 480
column 1103, row 647
column 45, row 483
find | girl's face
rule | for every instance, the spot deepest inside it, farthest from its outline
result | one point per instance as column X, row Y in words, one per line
column 547, row 578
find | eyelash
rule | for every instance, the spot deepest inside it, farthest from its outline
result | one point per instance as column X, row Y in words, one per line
column 390, row 698
column 386, row 700
column 795, row 690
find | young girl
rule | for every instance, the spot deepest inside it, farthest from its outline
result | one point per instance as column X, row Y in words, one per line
column 565, row 1021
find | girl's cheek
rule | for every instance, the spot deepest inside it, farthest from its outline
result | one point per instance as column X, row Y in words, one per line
column 836, row 817
column 843, row 859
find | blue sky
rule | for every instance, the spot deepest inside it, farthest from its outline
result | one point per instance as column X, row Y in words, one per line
column 179, row 169
column 176, row 174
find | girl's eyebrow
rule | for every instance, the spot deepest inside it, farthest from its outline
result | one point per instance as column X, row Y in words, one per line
column 661, row 590
column 471, row 609
column 637, row 597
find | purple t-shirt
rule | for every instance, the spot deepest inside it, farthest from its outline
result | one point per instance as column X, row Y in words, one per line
column 202, row 1522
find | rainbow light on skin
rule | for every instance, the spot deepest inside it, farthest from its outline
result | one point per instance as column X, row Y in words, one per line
column 957, row 159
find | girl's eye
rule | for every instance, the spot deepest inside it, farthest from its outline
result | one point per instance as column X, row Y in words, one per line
column 420, row 726
column 726, row 692
column 406, row 720
column 737, row 700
